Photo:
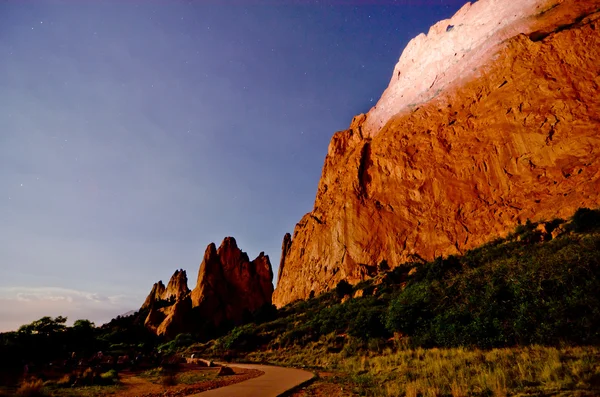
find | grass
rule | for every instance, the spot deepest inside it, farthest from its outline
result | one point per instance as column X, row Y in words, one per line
column 87, row 391
column 153, row 375
column 38, row 388
column 190, row 378
column 32, row 388
column 454, row 372
column 170, row 378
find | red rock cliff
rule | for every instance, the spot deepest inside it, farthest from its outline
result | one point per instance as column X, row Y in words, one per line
column 514, row 137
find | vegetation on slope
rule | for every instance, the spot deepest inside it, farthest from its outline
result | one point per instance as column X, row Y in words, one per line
column 522, row 290
column 530, row 298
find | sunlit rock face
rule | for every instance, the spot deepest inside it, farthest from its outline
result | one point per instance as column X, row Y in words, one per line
column 516, row 139
column 451, row 53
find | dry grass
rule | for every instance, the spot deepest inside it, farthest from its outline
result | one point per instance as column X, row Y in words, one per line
column 31, row 388
column 457, row 372
column 169, row 380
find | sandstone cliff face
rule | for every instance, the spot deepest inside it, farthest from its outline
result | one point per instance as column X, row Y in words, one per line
column 519, row 139
column 229, row 284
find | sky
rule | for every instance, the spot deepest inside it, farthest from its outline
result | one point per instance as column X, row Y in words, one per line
column 134, row 133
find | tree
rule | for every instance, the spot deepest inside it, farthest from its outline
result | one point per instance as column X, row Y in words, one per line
column 83, row 324
column 45, row 326
column 343, row 288
column 585, row 220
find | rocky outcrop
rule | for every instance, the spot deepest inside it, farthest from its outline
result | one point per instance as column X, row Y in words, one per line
column 168, row 307
column 177, row 287
column 285, row 249
column 175, row 290
column 518, row 139
column 170, row 320
column 230, row 285
column 156, row 294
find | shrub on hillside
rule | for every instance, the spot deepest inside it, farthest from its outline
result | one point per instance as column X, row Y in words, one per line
column 241, row 338
column 343, row 288
column 109, row 377
column 585, row 220
column 181, row 340
column 265, row 313
column 506, row 295
column 368, row 324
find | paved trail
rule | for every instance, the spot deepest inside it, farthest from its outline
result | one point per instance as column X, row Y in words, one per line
column 273, row 383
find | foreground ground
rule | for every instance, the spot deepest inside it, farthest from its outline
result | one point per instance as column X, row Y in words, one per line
column 187, row 380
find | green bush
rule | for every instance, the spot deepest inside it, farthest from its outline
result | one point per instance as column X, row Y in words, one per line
column 368, row 324
column 181, row 340
column 343, row 288
column 265, row 313
column 542, row 293
column 585, row 220
column 241, row 338
column 109, row 377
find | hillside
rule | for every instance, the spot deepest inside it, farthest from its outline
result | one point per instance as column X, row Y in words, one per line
column 526, row 290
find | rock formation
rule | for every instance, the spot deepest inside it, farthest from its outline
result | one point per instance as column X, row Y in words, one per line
column 175, row 290
column 285, row 249
column 177, row 287
column 513, row 135
column 168, row 307
column 229, row 284
column 170, row 320
column 229, row 287
column 156, row 294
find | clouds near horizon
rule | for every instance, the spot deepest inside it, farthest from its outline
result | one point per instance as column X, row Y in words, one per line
column 22, row 305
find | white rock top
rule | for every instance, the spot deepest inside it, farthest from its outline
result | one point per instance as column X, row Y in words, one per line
column 453, row 50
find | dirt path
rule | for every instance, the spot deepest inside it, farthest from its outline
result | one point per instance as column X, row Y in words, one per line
column 274, row 382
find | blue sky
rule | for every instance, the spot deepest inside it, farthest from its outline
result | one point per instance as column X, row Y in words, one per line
column 134, row 133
